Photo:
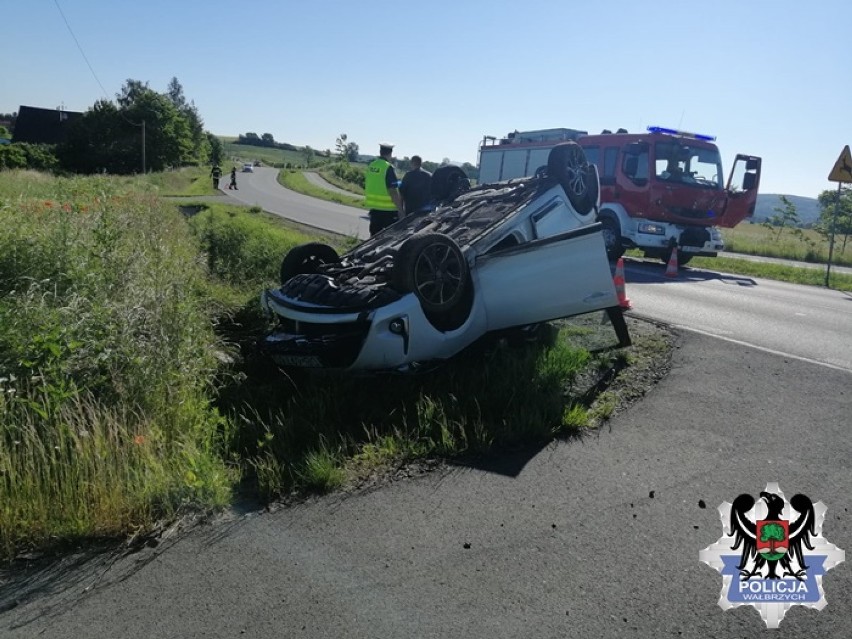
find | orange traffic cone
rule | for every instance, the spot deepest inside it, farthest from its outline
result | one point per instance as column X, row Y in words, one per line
column 671, row 269
column 618, row 280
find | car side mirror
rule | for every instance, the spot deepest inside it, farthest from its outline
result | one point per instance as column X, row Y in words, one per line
column 749, row 181
column 631, row 166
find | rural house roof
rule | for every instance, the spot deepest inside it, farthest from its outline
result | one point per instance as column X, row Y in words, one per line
column 43, row 126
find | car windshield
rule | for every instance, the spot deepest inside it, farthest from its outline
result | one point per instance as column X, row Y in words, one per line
column 678, row 161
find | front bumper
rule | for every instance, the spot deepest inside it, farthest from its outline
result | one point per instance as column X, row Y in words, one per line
column 312, row 336
column 699, row 241
column 393, row 337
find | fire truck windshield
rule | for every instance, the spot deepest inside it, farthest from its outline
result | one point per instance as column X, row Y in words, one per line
column 684, row 163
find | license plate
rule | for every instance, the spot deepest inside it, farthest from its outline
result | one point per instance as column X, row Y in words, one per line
column 304, row 361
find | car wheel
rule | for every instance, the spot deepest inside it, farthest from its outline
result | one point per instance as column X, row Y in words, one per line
column 433, row 267
column 306, row 258
column 448, row 182
column 612, row 238
column 568, row 165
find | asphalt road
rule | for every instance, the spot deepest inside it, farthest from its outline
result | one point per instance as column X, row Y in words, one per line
column 800, row 321
column 595, row 537
column 261, row 188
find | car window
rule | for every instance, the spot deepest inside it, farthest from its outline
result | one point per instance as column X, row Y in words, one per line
column 552, row 220
column 610, row 157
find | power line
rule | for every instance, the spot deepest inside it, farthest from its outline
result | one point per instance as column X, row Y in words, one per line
column 95, row 76
column 82, row 53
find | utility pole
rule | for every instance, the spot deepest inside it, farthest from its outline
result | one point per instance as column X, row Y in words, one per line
column 143, row 147
column 831, row 239
column 841, row 173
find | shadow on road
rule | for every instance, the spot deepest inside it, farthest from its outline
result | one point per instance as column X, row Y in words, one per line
column 640, row 272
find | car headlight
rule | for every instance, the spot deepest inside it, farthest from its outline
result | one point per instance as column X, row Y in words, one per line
column 651, row 228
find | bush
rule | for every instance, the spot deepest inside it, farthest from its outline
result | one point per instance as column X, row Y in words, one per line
column 242, row 249
column 40, row 157
column 348, row 173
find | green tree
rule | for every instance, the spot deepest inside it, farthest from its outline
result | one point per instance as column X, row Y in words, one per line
column 308, row 154
column 346, row 150
column 100, row 140
column 267, row 139
column 109, row 137
column 217, row 150
column 168, row 137
column 785, row 216
column 174, row 91
column 828, row 205
column 340, row 146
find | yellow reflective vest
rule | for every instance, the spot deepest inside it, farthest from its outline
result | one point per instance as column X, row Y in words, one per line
column 375, row 191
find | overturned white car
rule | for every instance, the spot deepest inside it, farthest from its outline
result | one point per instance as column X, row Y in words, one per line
column 490, row 258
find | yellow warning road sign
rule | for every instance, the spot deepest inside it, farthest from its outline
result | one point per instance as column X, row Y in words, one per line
column 842, row 171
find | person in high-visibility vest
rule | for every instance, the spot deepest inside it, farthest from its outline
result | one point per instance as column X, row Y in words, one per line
column 381, row 190
column 216, row 173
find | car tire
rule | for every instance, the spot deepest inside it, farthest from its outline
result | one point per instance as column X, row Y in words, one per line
column 306, row 258
column 433, row 267
column 612, row 238
column 448, row 182
column 567, row 164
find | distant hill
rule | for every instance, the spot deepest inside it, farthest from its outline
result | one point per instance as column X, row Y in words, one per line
column 806, row 207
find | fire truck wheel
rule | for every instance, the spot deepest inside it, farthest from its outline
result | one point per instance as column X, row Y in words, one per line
column 612, row 238
column 306, row 258
column 567, row 163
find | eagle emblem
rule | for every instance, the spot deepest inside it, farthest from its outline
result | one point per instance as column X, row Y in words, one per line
column 772, row 554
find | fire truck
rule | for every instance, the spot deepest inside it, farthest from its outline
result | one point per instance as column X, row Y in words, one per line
column 658, row 189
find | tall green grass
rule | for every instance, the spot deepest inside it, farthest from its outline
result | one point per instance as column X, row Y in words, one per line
column 299, row 430
column 804, row 245
column 107, row 358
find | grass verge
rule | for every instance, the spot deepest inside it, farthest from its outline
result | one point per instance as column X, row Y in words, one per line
column 780, row 272
column 803, row 245
column 296, row 181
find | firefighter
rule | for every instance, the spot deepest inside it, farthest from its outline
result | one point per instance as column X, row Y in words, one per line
column 216, row 173
column 381, row 190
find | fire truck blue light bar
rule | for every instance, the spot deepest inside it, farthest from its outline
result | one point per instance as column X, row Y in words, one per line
column 696, row 136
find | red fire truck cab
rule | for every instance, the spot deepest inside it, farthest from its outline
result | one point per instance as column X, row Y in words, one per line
column 658, row 189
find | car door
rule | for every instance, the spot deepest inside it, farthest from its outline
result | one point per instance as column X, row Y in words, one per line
column 558, row 274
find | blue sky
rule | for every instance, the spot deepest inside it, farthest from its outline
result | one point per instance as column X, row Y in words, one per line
column 767, row 78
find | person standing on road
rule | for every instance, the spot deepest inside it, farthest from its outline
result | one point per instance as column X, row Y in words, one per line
column 416, row 188
column 216, row 172
column 233, row 184
column 381, row 192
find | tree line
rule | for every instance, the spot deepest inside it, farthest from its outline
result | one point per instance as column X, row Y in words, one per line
column 140, row 130
column 109, row 135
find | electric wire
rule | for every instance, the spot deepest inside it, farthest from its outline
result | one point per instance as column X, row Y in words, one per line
column 82, row 53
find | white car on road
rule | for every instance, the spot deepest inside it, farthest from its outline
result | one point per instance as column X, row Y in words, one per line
column 491, row 258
